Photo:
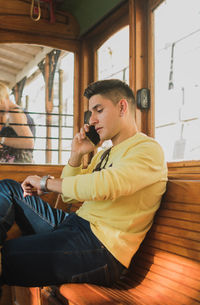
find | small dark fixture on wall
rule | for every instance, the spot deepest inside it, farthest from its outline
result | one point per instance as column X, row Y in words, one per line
column 143, row 98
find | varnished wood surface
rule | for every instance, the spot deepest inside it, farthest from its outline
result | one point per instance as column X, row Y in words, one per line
column 169, row 260
column 167, row 266
column 184, row 170
column 21, row 171
column 17, row 13
column 171, row 251
column 139, row 31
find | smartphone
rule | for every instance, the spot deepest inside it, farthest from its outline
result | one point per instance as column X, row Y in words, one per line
column 92, row 135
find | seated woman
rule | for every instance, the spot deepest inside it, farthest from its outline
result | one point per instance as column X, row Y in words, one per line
column 16, row 137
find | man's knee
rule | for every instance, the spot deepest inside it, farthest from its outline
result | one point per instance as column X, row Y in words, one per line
column 9, row 182
column 9, row 187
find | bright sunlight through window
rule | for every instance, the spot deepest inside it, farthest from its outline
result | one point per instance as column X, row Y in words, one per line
column 113, row 56
column 177, row 78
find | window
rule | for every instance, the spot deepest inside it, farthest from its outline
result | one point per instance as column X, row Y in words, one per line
column 61, row 117
column 113, row 60
column 177, row 78
column 113, row 56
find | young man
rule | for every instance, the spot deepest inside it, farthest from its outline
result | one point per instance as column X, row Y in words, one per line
column 121, row 190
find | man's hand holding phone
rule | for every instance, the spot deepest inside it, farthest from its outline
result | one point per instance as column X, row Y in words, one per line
column 84, row 142
column 91, row 134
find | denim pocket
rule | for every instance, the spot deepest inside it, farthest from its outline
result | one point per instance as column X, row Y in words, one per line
column 98, row 276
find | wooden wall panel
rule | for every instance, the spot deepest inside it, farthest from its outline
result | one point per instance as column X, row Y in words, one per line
column 17, row 26
column 138, row 54
column 15, row 15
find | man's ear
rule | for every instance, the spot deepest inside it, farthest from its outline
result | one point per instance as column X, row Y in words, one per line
column 123, row 106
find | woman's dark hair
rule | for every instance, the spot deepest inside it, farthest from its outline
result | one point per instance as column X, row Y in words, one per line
column 114, row 89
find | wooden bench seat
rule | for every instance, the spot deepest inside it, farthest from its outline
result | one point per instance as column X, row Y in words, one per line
column 166, row 269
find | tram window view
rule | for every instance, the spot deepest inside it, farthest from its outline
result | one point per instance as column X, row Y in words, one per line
column 177, row 78
column 113, row 60
column 47, row 100
column 113, row 56
column 60, row 122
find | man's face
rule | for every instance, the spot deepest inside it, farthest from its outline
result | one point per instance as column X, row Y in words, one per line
column 105, row 116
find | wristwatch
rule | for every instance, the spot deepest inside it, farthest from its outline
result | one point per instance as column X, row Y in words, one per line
column 43, row 183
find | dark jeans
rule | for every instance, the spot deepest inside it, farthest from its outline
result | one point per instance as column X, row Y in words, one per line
column 55, row 248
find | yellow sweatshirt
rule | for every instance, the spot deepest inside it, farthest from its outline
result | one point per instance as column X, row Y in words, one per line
column 120, row 201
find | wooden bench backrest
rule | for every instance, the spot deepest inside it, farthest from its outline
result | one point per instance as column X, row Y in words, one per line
column 166, row 269
column 19, row 172
column 167, row 266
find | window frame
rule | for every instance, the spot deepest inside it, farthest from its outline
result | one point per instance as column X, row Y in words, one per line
column 42, row 33
column 134, row 14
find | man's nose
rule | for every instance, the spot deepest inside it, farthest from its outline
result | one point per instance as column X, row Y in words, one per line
column 93, row 119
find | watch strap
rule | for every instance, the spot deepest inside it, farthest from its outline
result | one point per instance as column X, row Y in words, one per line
column 43, row 183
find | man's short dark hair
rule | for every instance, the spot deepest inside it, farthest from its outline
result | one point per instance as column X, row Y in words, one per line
column 114, row 89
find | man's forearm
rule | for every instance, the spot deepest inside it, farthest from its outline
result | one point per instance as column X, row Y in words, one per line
column 54, row 185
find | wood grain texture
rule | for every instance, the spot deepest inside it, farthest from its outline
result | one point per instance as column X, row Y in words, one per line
column 17, row 12
column 166, row 268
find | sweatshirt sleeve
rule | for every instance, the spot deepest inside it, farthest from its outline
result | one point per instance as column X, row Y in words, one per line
column 135, row 170
column 70, row 172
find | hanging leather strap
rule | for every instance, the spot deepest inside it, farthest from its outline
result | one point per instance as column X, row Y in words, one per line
column 35, row 10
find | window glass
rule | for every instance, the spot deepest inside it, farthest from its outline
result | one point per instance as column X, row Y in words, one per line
column 113, row 56
column 64, row 129
column 113, row 60
column 177, row 78
column 61, row 126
